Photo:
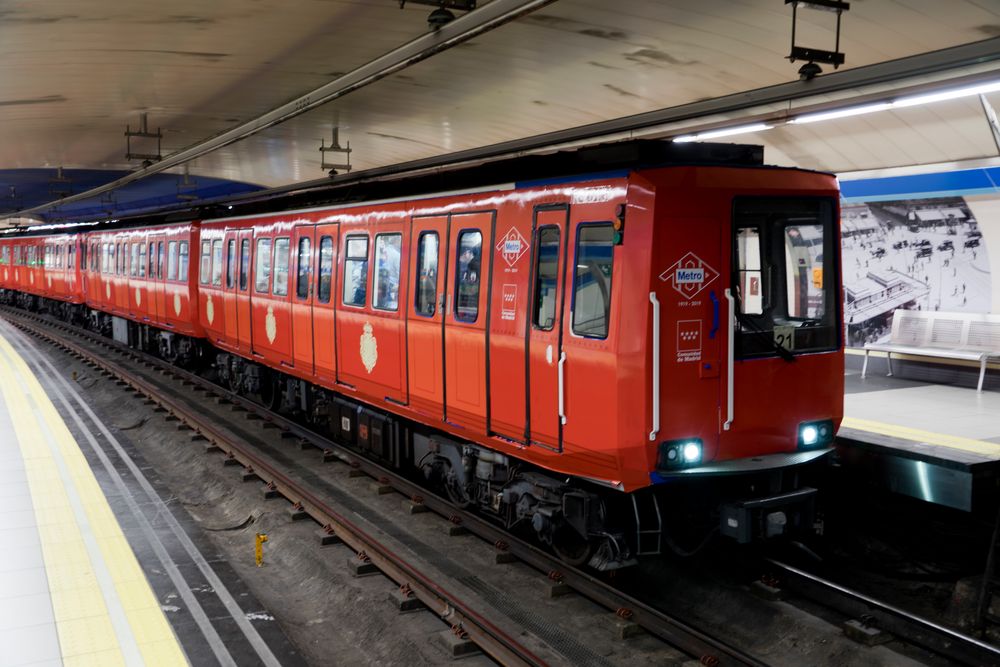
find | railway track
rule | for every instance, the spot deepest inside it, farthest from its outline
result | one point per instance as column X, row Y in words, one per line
column 493, row 636
column 881, row 616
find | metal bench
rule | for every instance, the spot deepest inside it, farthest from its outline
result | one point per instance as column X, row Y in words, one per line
column 966, row 336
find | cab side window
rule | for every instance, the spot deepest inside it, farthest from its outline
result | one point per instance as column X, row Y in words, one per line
column 467, row 277
column 592, row 280
column 356, row 271
column 182, row 261
column 543, row 314
column 231, row 264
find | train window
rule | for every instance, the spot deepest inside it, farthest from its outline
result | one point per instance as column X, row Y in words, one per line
column 133, row 269
column 231, row 263
column 217, row 262
column 262, row 278
column 71, row 257
column 467, row 278
column 244, row 264
column 206, row 261
column 749, row 288
column 122, row 249
column 280, row 267
column 152, row 260
column 142, row 260
column 592, row 280
column 356, row 271
column 543, row 313
column 159, row 260
column 782, row 248
column 172, row 260
column 325, row 277
column 112, row 258
column 48, row 256
column 303, row 269
column 425, row 299
column 386, row 279
column 182, row 261
column 17, row 254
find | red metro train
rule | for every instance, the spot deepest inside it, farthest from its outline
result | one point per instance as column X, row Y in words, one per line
column 633, row 333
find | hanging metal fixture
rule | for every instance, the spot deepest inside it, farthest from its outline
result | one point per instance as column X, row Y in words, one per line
column 811, row 54
column 334, row 147
column 143, row 133
column 442, row 14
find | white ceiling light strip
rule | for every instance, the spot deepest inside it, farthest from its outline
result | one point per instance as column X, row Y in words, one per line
column 725, row 132
column 847, row 112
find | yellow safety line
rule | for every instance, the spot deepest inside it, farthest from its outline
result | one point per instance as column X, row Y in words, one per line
column 86, row 633
column 929, row 437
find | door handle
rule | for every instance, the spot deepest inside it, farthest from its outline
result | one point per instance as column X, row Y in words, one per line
column 656, row 366
column 562, row 388
column 730, row 358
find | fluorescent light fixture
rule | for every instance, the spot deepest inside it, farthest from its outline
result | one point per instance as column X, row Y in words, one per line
column 724, row 132
column 928, row 98
column 841, row 113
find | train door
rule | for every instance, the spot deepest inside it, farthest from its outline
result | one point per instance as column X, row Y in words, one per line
column 230, row 284
column 465, row 319
column 303, row 242
column 157, row 259
column 546, row 357
column 323, row 311
column 425, row 313
column 245, row 238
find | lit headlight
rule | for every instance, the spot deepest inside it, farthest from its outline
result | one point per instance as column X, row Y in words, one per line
column 680, row 453
column 815, row 434
column 692, row 452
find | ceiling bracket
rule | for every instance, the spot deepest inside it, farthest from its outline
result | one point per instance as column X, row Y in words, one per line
column 60, row 186
column 334, row 147
column 810, row 54
column 187, row 186
column 143, row 133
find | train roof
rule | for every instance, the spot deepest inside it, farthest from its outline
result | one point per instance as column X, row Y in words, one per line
column 394, row 182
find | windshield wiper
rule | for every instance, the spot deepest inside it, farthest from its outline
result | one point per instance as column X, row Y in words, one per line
column 755, row 328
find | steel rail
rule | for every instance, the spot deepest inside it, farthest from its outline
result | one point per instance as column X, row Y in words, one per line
column 910, row 627
column 471, row 25
column 492, row 639
column 697, row 643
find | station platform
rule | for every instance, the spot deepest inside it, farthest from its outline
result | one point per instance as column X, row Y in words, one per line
column 935, row 442
column 96, row 569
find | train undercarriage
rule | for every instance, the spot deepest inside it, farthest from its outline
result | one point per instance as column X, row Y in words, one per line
column 582, row 522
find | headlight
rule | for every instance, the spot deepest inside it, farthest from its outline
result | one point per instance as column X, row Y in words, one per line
column 815, row 434
column 680, row 453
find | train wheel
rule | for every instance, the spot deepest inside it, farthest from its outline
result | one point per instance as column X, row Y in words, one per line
column 571, row 547
column 270, row 389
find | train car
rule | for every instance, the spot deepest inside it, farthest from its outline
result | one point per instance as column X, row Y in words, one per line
column 650, row 332
column 143, row 277
column 62, row 275
column 613, row 343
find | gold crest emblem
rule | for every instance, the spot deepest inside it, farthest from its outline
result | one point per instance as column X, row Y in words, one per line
column 369, row 348
column 50, row 282
column 177, row 304
column 138, row 297
column 209, row 309
column 5, row 274
column 107, row 289
column 31, row 278
column 270, row 325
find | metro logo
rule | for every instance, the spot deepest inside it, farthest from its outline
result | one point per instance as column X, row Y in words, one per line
column 689, row 275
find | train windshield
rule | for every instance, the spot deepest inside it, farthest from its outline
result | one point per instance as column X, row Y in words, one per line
column 784, row 276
